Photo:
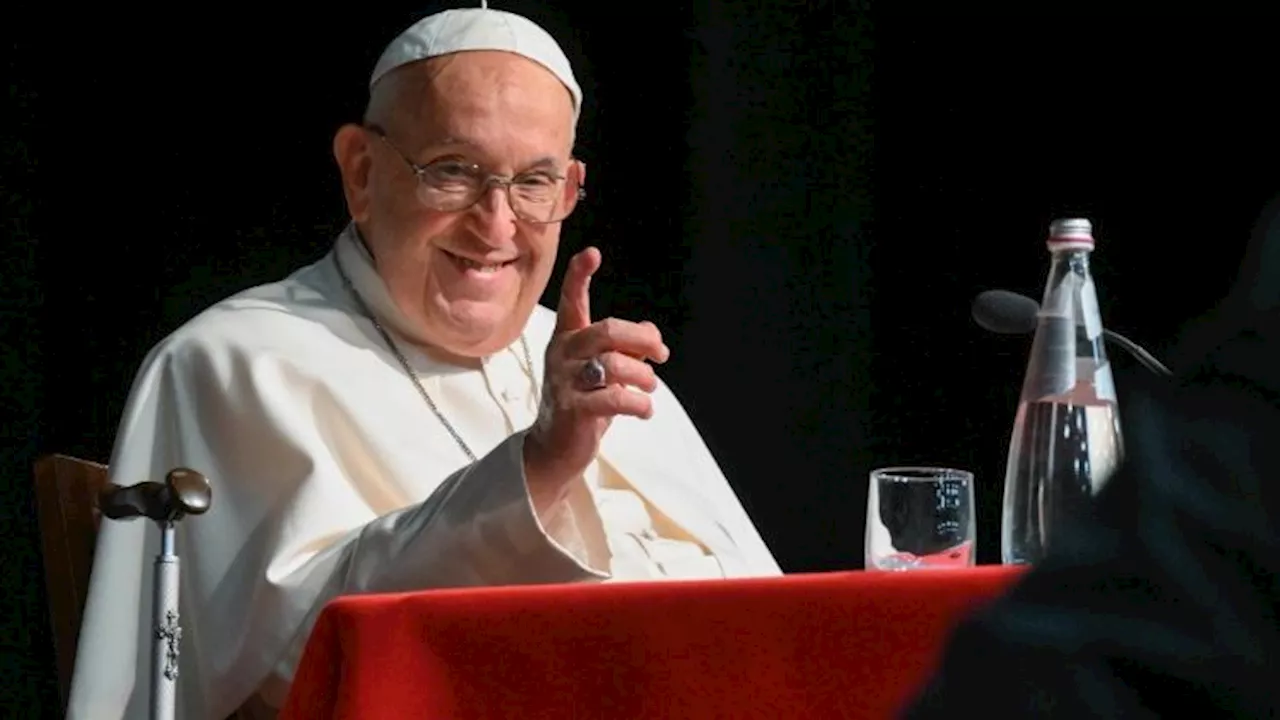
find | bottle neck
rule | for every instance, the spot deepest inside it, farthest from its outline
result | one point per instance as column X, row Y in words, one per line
column 1068, row 359
column 1075, row 258
column 1067, row 263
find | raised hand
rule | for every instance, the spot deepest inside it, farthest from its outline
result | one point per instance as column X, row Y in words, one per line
column 577, row 408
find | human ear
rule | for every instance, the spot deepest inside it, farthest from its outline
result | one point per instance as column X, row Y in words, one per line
column 351, row 150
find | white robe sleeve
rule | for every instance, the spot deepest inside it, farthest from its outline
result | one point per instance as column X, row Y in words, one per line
column 296, row 519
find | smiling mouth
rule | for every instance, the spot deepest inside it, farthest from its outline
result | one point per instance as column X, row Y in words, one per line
column 468, row 264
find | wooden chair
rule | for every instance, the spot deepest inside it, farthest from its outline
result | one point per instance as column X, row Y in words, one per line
column 67, row 497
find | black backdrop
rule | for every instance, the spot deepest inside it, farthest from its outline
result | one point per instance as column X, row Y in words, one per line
column 804, row 196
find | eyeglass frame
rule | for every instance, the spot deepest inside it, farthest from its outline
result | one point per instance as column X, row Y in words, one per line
column 504, row 181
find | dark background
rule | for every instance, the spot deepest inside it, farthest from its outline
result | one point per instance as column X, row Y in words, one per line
column 804, row 196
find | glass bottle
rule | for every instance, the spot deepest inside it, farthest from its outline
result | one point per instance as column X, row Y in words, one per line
column 1066, row 440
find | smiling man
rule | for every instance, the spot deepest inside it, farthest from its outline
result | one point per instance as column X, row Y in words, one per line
column 403, row 414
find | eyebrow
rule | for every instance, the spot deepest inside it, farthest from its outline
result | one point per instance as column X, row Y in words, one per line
column 546, row 161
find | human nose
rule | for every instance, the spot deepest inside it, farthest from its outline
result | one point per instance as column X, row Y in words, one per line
column 496, row 214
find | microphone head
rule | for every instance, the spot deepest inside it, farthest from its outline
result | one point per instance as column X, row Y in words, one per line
column 1004, row 312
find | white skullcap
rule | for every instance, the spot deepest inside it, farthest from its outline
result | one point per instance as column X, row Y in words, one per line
column 479, row 28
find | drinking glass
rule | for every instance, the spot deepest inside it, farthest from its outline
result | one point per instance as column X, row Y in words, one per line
column 919, row 518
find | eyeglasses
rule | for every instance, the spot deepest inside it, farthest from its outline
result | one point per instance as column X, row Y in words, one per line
column 538, row 196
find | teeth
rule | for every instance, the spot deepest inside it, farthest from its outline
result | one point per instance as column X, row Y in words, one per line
column 473, row 265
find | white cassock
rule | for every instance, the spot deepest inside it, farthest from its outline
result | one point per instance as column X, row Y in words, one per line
column 331, row 475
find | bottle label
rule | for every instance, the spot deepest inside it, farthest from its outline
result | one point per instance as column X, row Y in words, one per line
column 1059, row 299
column 1051, row 370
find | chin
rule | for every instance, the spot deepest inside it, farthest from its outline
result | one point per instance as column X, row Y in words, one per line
column 482, row 328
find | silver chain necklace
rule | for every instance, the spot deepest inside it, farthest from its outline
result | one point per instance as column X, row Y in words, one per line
column 404, row 362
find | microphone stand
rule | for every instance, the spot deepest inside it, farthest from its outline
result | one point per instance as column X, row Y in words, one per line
column 184, row 492
column 1145, row 358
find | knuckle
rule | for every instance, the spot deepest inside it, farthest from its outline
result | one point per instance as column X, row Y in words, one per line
column 616, row 364
column 627, row 370
column 611, row 329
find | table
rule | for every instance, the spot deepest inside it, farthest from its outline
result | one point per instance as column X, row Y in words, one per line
column 822, row 645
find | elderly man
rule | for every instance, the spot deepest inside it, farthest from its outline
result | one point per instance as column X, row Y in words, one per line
column 402, row 414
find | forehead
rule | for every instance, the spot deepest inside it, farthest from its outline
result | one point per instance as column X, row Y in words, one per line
column 499, row 103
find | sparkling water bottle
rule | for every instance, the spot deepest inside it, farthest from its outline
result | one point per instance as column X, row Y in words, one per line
column 1066, row 439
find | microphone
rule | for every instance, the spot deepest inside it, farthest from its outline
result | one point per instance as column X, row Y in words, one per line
column 1008, row 313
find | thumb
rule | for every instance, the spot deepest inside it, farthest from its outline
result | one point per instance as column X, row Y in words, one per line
column 574, row 312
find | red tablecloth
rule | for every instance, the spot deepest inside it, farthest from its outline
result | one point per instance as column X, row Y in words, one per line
column 828, row 645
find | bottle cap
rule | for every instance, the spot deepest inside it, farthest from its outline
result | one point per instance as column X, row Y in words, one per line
column 1070, row 233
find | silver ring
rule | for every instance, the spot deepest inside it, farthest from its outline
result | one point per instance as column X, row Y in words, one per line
column 593, row 374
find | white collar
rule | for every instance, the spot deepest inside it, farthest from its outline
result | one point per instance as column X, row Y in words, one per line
column 354, row 259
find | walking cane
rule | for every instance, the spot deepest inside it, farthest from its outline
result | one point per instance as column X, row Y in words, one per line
column 184, row 492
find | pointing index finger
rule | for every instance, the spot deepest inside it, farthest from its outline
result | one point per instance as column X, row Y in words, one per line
column 574, row 311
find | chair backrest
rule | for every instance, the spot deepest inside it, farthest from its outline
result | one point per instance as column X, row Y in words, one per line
column 67, row 497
